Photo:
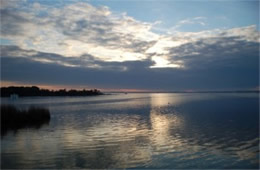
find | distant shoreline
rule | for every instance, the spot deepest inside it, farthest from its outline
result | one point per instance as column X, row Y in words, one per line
column 34, row 91
column 193, row 92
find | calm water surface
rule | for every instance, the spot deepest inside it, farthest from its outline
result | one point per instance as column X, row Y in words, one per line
column 139, row 131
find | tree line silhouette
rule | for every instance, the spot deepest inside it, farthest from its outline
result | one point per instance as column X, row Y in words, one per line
column 36, row 91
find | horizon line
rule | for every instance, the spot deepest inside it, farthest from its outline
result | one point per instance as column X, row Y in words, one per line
column 143, row 90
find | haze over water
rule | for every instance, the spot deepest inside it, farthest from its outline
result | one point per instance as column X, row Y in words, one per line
column 142, row 130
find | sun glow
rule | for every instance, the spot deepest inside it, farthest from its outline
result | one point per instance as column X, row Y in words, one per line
column 161, row 62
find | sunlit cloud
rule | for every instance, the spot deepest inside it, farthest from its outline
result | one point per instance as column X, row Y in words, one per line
column 161, row 62
column 80, row 28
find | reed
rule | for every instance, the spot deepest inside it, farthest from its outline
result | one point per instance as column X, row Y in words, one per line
column 14, row 119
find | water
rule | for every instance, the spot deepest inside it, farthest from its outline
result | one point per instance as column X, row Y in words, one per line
column 139, row 131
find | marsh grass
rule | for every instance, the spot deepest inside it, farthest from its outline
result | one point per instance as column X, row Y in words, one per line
column 14, row 119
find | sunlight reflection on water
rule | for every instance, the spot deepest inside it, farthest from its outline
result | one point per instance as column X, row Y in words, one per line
column 139, row 131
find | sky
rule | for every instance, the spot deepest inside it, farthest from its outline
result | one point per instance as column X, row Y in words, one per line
column 116, row 45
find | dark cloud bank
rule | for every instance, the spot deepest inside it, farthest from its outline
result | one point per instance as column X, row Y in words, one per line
column 215, row 67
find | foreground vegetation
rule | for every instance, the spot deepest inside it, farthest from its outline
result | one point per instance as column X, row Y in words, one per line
column 14, row 119
column 36, row 91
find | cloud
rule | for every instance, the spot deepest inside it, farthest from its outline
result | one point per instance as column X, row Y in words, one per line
column 190, row 21
column 13, row 24
column 204, row 74
column 94, row 46
column 225, row 48
column 78, row 29
column 83, row 61
column 10, row 4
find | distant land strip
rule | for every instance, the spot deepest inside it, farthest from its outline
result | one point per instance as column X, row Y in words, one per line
column 15, row 92
column 220, row 91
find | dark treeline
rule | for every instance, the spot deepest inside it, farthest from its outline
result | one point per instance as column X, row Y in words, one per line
column 14, row 119
column 36, row 91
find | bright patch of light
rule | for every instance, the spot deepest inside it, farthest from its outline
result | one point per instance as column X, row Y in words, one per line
column 43, row 60
column 117, row 55
column 161, row 62
column 162, row 44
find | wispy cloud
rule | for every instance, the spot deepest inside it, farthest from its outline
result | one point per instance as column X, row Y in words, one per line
column 196, row 20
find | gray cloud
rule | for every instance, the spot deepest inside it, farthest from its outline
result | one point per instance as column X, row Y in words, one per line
column 102, row 28
column 242, row 75
column 83, row 61
column 12, row 22
column 217, row 51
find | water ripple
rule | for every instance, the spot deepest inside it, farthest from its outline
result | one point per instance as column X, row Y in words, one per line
column 140, row 131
